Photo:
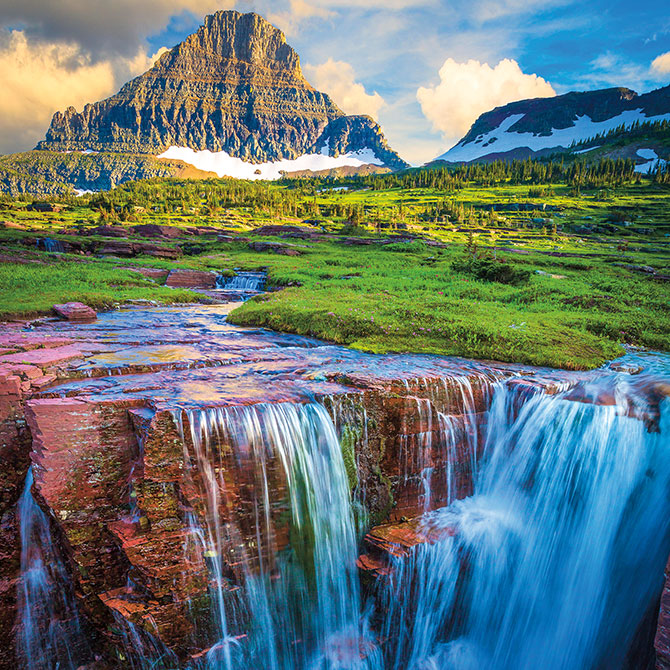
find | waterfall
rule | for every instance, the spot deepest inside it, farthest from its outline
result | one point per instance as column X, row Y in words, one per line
column 302, row 600
column 50, row 632
column 243, row 283
column 557, row 555
column 50, row 245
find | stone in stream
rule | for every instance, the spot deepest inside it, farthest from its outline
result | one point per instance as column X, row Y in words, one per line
column 75, row 311
column 191, row 279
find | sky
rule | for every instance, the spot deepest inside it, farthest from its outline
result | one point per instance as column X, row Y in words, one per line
column 424, row 69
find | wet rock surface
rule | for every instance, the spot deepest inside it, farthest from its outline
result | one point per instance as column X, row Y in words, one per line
column 75, row 311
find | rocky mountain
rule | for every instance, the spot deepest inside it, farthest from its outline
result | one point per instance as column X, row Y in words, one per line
column 234, row 86
column 542, row 126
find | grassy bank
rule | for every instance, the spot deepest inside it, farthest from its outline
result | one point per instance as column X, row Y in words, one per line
column 30, row 289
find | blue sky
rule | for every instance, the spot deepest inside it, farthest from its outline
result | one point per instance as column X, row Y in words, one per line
column 424, row 68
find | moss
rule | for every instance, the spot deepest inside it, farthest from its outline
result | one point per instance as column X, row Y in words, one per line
column 350, row 438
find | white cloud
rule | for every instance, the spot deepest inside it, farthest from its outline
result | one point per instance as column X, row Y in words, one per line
column 467, row 90
column 38, row 79
column 338, row 79
column 661, row 64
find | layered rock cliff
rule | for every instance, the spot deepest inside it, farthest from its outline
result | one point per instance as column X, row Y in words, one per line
column 235, row 86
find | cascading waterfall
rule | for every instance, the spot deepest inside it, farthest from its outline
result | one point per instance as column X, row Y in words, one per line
column 445, row 436
column 50, row 245
column 303, row 606
column 555, row 558
column 50, row 632
column 551, row 562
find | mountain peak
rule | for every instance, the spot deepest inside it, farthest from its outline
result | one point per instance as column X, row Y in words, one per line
column 233, row 86
column 231, row 41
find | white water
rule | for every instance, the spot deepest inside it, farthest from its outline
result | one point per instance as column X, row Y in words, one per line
column 563, row 543
column 50, row 633
column 302, row 603
column 551, row 563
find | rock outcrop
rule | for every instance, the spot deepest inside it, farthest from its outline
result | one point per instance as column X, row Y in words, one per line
column 235, row 86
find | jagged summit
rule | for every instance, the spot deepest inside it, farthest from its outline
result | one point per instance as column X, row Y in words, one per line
column 233, row 86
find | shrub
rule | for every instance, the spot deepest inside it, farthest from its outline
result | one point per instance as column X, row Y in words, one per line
column 490, row 269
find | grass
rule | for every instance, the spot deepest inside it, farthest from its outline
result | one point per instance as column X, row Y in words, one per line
column 406, row 296
column 417, row 302
column 31, row 289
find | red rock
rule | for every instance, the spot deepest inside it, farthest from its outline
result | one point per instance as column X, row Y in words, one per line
column 43, row 358
column 10, row 386
column 27, row 341
column 191, row 279
column 156, row 274
column 41, row 382
column 156, row 230
column 75, row 311
column 109, row 231
column 275, row 247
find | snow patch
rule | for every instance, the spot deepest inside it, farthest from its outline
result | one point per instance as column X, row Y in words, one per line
column 651, row 161
column 584, row 151
column 501, row 139
column 225, row 165
column 648, row 154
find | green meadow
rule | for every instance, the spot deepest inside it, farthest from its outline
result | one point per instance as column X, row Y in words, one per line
column 562, row 274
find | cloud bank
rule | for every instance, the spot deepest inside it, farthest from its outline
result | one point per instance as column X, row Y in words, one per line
column 101, row 27
column 338, row 79
column 467, row 90
column 38, row 79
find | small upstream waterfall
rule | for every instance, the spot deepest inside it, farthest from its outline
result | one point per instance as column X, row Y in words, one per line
column 556, row 557
column 244, row 283
column 50, row 245
column 301, row 603
column 50, row 632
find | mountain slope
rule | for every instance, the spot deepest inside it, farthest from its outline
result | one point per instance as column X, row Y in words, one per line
column 234, row 86
column 541, row 126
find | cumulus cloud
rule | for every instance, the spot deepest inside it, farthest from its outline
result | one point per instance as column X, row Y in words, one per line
column 467, row 90
column 661, row 64
column 38, row 79
column 101, row 27
column 338, row 79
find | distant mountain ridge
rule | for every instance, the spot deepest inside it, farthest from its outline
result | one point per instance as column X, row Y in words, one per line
column 233, row 86
column 540, row 126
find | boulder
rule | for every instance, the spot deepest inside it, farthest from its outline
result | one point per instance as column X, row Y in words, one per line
column 75, row 311
column 191, row 279
column 156, row 230
column 110, row 231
